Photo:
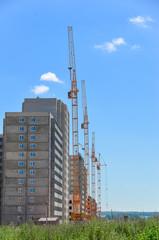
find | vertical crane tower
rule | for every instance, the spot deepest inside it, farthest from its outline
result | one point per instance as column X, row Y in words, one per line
column 99, row 187
column 93, row 179
column 73, row 94
column 84, row 126
column 99, row 210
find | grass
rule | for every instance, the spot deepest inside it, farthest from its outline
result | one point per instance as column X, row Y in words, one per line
column 95, row 230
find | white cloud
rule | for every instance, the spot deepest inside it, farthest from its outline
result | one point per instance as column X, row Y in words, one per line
column 51, row 77
column 111, row 46
column 107, row 46
column 118, row 41
column 40, row 89
column 134, row 47
column 141, row 21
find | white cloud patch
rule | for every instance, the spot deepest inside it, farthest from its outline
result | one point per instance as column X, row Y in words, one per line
column 107, row 46
column 50, row 77
column 141, row 21
column 111, row 46
column 40, row 89
column 135, row 47
column 118, row 41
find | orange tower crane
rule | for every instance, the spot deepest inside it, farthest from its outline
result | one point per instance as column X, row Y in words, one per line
column 84, row 126
column 99, row 210
column 73, row 94
column 93, row 177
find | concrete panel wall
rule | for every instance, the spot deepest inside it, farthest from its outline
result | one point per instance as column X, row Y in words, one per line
column 40, row 155
column 39, row 182
column 13, row 173
column 12, row 200
column 14, row 155
column 13, row 191
column 13, row 210
column 39, row 191
column 60, row 112
column 11, row 186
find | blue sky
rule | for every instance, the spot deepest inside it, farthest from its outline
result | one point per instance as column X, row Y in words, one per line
column 117, row 54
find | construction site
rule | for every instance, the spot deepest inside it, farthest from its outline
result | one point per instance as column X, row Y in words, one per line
column 42, row 181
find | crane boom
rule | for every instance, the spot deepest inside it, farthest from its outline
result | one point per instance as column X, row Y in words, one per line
column 73, row 94
column 85, row 126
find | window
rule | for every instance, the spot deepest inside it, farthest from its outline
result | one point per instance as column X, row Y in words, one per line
column 32, row 181
column 32, row 145
column 20, row 181
column 32, row 119
column 58, row 213
column 20, row 172
column 32, row 154
column 31, row 190
column 58, row 162
column 19, row 208
column 33, row 128
column 20, row 199
column 31, row 199
column 21, row 137
column 59, row 196
column 31, row 208
column 21, row 154
column 19, row 218
column 20, row 190
column 57, row 204
column 31, row 218
column 57, row 187
column 32, row 172
column 21, row 120
column 21, row 163
column 21, row 146
column 58, row 179
column 32, row 163
column 58, row 171
column 21, row 128
column 32, row 137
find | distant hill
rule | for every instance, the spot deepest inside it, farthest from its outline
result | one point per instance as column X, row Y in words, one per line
column 120, row 215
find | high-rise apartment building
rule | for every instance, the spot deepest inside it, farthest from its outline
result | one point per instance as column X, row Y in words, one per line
column 82, row 183
column 32, row 167
column 1, row 153
column 60, row 112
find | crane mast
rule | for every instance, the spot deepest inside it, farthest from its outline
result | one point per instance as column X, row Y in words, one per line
column 85, row 126
column 73, row 94
column 93, row 179
column 99, row 187
column 99, row 210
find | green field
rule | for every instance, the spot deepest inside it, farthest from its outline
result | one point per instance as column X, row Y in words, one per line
column 97, row 229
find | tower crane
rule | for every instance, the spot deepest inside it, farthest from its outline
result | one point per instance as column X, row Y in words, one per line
column 73, row 94
column 99, row 211
column 93, row 177
column 85, row 126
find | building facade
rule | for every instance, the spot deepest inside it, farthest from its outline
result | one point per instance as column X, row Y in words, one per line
column 82, row 184
column 1, row 154
column 60, row 112
column 32, row 167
